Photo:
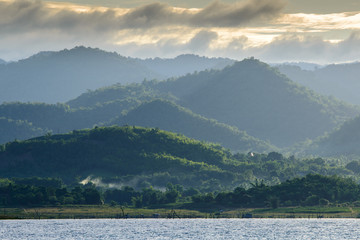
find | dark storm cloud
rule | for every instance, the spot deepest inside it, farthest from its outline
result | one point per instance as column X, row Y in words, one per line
column 28, row 15
column 219, row 14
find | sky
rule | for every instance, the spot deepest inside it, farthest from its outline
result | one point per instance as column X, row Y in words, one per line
column 319, row 31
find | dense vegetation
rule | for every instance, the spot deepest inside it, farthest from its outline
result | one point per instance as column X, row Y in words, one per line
column 311, row 190
column 40, row 192
column 141, row 157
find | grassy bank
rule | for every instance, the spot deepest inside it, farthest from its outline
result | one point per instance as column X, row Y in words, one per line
column 87, row 212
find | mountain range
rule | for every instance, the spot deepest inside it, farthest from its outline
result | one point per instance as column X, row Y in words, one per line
column 343, row 141
column 53, row 77
column 247, row 106
column 254, row 97
column 337, row 80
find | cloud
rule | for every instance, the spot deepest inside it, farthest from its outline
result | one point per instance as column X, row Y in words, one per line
column 219, row 14
column 242, row 29
column 297, row 47
column 202, row 40
column 28, row 14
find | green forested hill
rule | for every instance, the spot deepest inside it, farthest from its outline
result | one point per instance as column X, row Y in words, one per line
column 171, row 117
column 116, row 151
column 60, row 118
column 257, row 99
column 140, row 92
column 141, row 157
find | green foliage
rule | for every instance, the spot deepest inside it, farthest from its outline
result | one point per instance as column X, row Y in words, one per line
column 150, row 157
column 311, row 190
column 39, row 192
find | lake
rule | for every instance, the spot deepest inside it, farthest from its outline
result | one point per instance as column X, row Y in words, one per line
column 181, row 229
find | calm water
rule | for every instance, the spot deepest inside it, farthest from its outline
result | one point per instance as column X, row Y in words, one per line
column 181, row 229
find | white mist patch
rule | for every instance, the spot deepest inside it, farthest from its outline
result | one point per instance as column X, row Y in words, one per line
column 97, row 181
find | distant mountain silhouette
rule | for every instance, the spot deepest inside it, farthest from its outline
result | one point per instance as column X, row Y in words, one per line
column 184, row 64
column 2, row 61
column 249, row 95
column 257, row 99
column 339, row 80
column 171, row 117
column 59, row 76
column 53, row 77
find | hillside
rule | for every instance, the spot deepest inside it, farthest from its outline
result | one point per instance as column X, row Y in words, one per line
column 338, row 80
column 17, row 129
column 140, row 157
column 116, row 92
column 116, row 152
column 53, row 77
column 257, row 99
column 344, row 141
column 171, row 117
column 60, row 118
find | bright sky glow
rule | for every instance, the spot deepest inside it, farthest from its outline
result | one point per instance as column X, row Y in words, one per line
column 235, row 29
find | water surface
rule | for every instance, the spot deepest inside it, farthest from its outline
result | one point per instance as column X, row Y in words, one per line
column 181, row 229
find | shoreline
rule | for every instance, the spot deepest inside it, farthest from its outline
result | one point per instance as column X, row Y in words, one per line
column 118, row 212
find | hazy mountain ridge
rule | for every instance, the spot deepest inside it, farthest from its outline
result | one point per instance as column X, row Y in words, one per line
column 171, row 117
column 53, row 77
column 256, row 98
column 249, row 95
column 343, row 141
column 60, row 118
column 17, row 129
column 184, row 64
column 338, row 80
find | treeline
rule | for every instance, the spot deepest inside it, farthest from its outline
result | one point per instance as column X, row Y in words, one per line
column 310, row 190
column 45, row 191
